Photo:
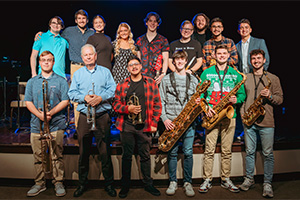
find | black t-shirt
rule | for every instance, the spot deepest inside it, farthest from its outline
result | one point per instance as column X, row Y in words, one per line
column 138, row 89
column 193, row 48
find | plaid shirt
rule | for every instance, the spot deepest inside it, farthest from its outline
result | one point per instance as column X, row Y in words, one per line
column 150, row 51
column 209, row 47
column 152, row 101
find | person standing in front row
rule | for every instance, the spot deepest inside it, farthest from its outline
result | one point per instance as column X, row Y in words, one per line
column 58, row 99
column 98, row 79
column 175, row 91
column 152, row 45
column 149, row 111
column 255, row 85
column 223, row 79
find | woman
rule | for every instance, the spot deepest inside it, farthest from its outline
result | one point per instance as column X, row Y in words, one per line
column 124, row 48
column 101, row 42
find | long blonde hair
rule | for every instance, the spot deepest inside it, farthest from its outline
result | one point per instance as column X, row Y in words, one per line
column 118, row 39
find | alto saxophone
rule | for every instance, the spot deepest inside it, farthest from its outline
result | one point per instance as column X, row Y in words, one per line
column 182, row 122
column 45, row 135
column 136, row 118
column 256, row 109
column 222, row 109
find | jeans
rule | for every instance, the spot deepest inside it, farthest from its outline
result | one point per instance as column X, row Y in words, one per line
column 267, row 139
column 187, row 148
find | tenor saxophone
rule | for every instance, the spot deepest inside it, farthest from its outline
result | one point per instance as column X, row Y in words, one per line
column 45, row 136
column 222, row 109
column 182, row 122
column 256, row 109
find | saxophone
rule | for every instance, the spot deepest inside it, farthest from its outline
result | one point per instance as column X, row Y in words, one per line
column 182, row 122
column 222, row 109
column 256, row 109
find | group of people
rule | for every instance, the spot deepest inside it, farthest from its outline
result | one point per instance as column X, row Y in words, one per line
column 163, row 77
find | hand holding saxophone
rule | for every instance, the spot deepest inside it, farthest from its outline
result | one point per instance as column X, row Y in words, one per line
column 169, row 125
column 265, row 93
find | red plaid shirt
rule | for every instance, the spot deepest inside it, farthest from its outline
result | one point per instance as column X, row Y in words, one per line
column 152, row 101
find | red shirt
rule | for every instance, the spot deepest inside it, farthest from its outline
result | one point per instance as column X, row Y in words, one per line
column 152, row 102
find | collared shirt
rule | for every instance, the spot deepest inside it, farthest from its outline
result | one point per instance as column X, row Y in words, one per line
column 210, row 45
column 104, row 86
column 56, row 45
column 245, row 49
column 76, row 40
column 57, row 92
column 150, row 51
column 152, row 102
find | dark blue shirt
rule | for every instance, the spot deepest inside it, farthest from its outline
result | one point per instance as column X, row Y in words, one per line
column 76, row 40
column 57, row 92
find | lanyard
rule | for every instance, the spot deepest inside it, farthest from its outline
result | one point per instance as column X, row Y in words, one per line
column 221, row 80
column 256, row 85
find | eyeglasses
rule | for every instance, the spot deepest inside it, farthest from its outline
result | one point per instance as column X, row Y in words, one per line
column 55, row 23
column 133, row 64
column 46, row 60
column 187, row 29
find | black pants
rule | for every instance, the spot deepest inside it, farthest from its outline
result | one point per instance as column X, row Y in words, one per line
column 102, row 136
column 129, row 137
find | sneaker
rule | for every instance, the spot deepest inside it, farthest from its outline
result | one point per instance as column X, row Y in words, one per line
column 60, row 190
column 188, row 188
column 152, row 190
column 227, row 184
column 172, row 188
column 205, row 186
column 268, row 191
column 35, row 190
column 247, row 184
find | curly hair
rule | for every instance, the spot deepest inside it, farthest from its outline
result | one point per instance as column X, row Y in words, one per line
column 118, row 39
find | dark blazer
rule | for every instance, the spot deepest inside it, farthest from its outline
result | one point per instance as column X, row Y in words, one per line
column 255, row 43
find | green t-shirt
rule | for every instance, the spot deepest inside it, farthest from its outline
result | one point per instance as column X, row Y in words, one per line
column 214, row 92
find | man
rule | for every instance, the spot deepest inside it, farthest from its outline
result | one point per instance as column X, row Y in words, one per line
column 201, row 32
column 54, row 42
column 255, row 85
column 246, row 45
column 175, row 91
column 191, row 46
column 149, row 109
column 223, row 79
column 99, row 80
column 152, row 45
column 217, row 27
column 57, row 96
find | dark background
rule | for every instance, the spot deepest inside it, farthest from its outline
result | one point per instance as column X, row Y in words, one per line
column 277, row 22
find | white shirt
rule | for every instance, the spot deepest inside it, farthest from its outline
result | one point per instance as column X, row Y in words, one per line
column 245, row 53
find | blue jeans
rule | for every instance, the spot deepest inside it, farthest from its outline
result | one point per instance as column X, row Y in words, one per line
column 267, row 139
column 187, row 148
